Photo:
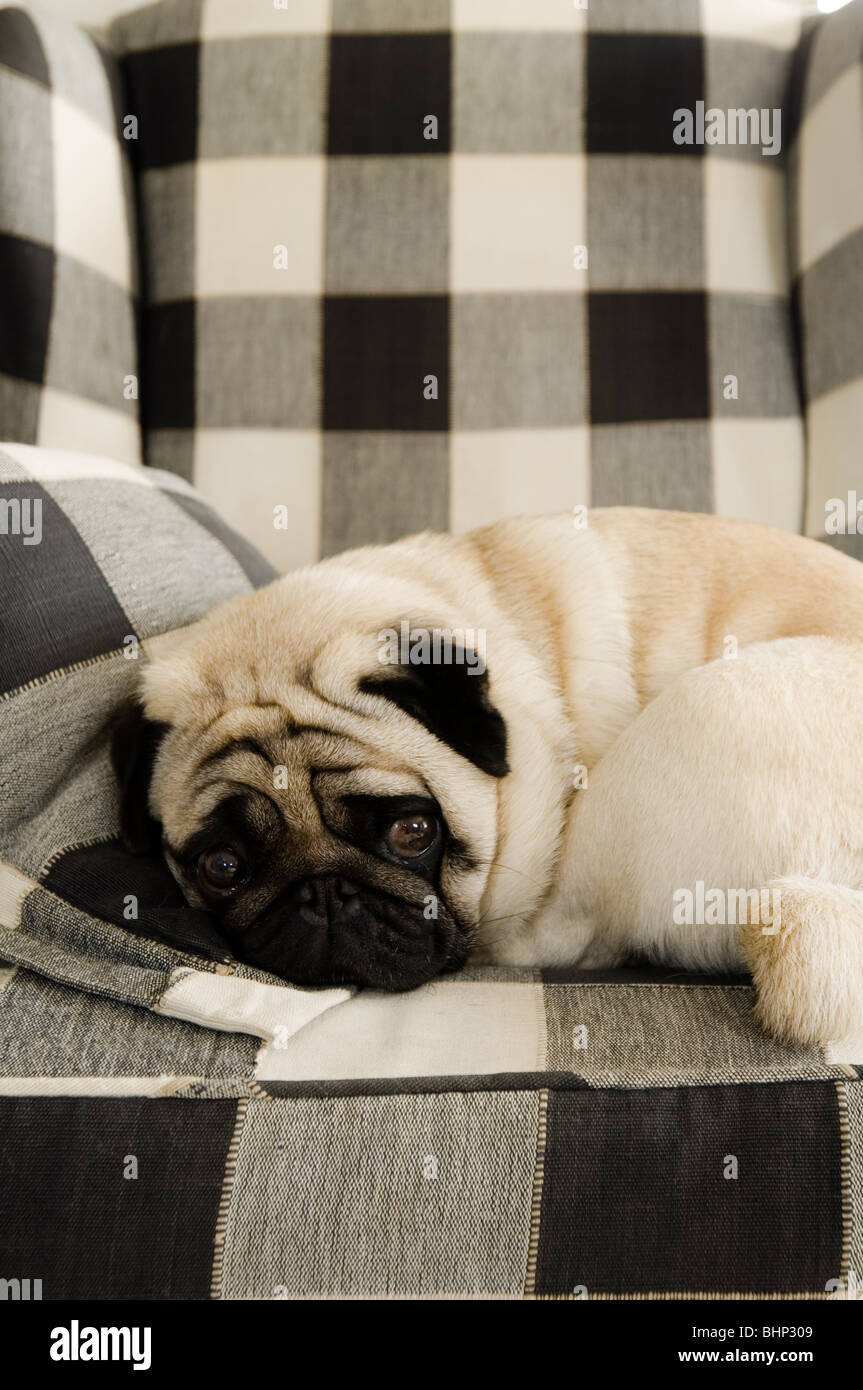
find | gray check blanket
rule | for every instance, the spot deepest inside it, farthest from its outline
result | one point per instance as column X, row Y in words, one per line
column 174, row 1124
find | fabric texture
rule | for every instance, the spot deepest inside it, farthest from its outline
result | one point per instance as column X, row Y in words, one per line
column 226, row 1135
column 99, row 559
column 204, row 1181
column 433, row 263
column 230, row 1136
column 68, row 242
column 827, row 202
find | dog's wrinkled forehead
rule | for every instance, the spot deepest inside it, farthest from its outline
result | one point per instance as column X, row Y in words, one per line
column 297, row 767
column 294, row 635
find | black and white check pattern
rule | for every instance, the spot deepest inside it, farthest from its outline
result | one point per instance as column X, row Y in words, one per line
column 303, row 376
column 827, row 192
column 99, row 559
column 555, row 1105
column 68, row 245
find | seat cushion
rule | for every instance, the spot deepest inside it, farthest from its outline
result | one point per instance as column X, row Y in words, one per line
column 497, row 1133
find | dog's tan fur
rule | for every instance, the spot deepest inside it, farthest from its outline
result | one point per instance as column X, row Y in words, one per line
column 585, row 628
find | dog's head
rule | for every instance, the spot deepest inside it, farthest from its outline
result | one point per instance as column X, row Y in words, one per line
column 320, row 778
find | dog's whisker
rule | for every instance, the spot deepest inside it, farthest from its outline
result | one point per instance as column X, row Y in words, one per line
column 508, row 868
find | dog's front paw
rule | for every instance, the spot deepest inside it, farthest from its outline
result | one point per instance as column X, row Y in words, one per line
column 807, row 964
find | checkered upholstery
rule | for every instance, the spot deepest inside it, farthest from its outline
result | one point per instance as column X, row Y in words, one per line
column 365, row 302
column 827, row 194
column 99, row 559
column 538, row 1183
column 499, row 1132
column 68, row 245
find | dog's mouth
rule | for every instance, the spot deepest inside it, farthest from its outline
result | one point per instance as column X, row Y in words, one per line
column 330, row 930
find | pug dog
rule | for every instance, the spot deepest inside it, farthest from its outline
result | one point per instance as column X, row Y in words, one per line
column 516, row 746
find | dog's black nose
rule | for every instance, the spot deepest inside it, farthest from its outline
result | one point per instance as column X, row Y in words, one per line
column 318, row 897
column 309, row 896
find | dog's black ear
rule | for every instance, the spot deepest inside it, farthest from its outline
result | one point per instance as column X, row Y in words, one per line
column 134, row 743
column 451, row 700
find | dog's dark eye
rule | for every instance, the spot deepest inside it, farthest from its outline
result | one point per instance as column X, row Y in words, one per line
column 219, row 870
column 411, row 835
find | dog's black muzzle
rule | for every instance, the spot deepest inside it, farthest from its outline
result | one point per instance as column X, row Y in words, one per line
column 328, row 930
